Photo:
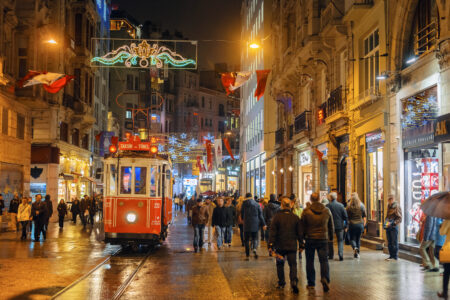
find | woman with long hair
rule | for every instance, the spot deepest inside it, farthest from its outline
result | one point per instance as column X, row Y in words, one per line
column 357, row 220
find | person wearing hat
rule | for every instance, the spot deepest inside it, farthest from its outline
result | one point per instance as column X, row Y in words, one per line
column 200, row 216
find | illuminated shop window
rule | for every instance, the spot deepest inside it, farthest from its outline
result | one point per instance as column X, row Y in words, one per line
column 125, row 182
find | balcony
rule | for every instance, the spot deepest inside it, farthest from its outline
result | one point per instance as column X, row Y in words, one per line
column 335, row 106
column 331, row 15
column 301, row 122
column 367, row 97
column 425, row 39
column 279, row 136
column 356, row 9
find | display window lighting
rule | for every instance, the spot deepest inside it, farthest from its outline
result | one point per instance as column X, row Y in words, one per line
column 411, row 60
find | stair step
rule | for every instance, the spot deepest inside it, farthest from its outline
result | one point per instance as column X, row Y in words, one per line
column 374, row 245
column 407, row 255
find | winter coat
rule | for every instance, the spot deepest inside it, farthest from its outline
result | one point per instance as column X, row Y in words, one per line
column 394, row 213
column 75, row 209
column 40, row 207
column 252, row 216
column 445, row 231
column 49, row 208
column 298, row 212
column 230, row 215
column 200, row 215
column 356, row 215
column 62, row 209
column 340, row 218
column 239, row 220
column 210, row 207
column 2, row 206
column 219, row 217
column 270, row 211
column 14, row 206
column 317, row 222
column 285, row 231
column 439, row 239
column 24, row 212
column 91, row 207
column 430, row 228
column 83, row 206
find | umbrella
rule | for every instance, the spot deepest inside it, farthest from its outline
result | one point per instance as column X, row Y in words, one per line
column 208, row 193
column 437, row 205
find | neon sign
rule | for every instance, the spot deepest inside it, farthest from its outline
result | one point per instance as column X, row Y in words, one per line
column 144, row 55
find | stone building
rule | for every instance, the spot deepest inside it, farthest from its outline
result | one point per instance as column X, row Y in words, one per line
column 368, row 83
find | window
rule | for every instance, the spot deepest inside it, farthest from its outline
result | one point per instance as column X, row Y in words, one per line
column 371, row 61
column 140, row 179
column 78, row 29
column 77, row 84
column 128, row 114
column 76, row 137
column 22, row 56
column 130, row 82
column 221, row 110
column 136, row 83
column 64, row 132
column 85, row 142
column 153, row 181
column 112, row 179
column 20, row 126
column 125, row 180
column 210, row 104
column 425, row 29
column 5, row 121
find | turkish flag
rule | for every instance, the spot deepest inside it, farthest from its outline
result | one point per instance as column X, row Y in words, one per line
column 319, row 154
column 208, row 155
column 57, row 85
column 227, row 145
column 227, row 81
column 261, row 79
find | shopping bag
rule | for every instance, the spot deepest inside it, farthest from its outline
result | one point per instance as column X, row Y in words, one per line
column 347, row 238
column 444, row 254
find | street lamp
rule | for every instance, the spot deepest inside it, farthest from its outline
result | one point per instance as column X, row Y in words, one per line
column 254, row 45
column 51, row 41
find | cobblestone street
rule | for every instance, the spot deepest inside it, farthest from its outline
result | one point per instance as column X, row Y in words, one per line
column 174, row 271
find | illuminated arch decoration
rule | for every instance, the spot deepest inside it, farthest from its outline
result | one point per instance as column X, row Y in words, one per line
column 142, row 54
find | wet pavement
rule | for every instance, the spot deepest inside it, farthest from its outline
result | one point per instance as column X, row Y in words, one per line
column 31, row 270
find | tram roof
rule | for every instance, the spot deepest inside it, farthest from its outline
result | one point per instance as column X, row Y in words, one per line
column 140, row 154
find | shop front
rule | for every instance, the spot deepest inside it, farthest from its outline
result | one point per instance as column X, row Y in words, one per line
column 220, row 180
column 11, row 180
column 232, row 179
column 74, row 181
column 256, row 176
column 421, row 156
column 305, row 176
column 442, row 137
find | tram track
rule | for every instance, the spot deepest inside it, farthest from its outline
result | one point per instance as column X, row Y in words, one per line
column 101, row 281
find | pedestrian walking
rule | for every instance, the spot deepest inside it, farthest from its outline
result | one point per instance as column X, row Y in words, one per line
column 219, row 222
column 239, row 220
column 100, row 207
column 39, row 214
column 439, row 239
column 2, row 206
column 24, row 216
column 444, row 256
column 270, row 211
column 12, row 211
column 84, row 212
column 210, row 206
column 92, row 209
column 62, row 212
column 285, row 232
column 340, row 220
column 75, row 210
column 200, row 216
column 49, row 204
column 190, row 204
column 356, row 212
column 429, row 262
column 229, row 223
column 393, row 218
column 317, row 230
column 252, row 217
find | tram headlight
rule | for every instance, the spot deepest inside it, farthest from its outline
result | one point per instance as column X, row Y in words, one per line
column 131, row 217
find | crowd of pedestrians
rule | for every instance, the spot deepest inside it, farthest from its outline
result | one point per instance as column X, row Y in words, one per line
column 34, row 216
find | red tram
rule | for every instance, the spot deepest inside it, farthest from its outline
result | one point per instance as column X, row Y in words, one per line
column 138, row 195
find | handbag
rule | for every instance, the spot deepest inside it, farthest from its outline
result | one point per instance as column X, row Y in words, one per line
column 444, row 253
column 347, row 238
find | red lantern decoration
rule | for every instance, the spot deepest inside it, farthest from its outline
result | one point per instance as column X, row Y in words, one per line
column 112, row 149
column 127, row 135
column 153, row 149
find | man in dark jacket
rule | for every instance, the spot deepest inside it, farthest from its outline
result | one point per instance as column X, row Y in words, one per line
column 92, row 208
column 317, row 230
column 230, row 217
column 13, row 209
column 49, row 204
column 340, row 220
column 219, row 221
column 75, row 210
column 430, row 263
column 39, row 214
column 200, row 216
column 84, row 210
column 285, row 232
column 393, row 219
column 62, row 212
column 269, row 211
column 252, row 217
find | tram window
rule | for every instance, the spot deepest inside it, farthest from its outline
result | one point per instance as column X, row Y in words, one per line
column 159, row 183
column 140, row 180
column 153, row 181
column 112, row 179
column 125, row 182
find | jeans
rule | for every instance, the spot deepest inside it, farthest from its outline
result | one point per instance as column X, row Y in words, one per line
column 445, row 279
column 356, row 231
column 251, row 241
column 210, row 233
column 291, row 257
column 220, row 235
column 392, row 237
column 61, row 221
column 427, row 253
column 24, row 228
column 39, row 226
column 228, row 234
column 198, row 235
column 322, row 252
column 241, row 233
column 340, row 242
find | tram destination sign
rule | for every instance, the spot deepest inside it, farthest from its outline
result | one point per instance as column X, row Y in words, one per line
column 135, row 146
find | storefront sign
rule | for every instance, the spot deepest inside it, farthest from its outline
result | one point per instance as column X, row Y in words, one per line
column 305, row 158
column 442, row 129
column 130, row 146
column 307, row 186
column 190, row 181
column 374, row 140
column 324, row 149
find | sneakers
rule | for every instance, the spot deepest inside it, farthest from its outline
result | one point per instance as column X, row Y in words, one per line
column 355, row 253
column 390, row 259
column 433, row 270
column 255, row 254
column 325, row 284
column 341, row 258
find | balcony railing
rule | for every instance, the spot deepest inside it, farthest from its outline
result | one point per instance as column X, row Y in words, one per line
column 279, row 136
column 336, row 102
column 425, row 39
column 301, row 122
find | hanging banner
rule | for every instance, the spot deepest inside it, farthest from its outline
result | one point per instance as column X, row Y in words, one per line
column 261, row 79
column 218, row 151
column 227, row 145
column 209, row 155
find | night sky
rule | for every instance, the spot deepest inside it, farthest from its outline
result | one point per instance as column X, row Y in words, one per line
column 197, row 20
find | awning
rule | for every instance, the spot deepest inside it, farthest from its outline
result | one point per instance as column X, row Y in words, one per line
column 86, row 178
column 67, row 176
